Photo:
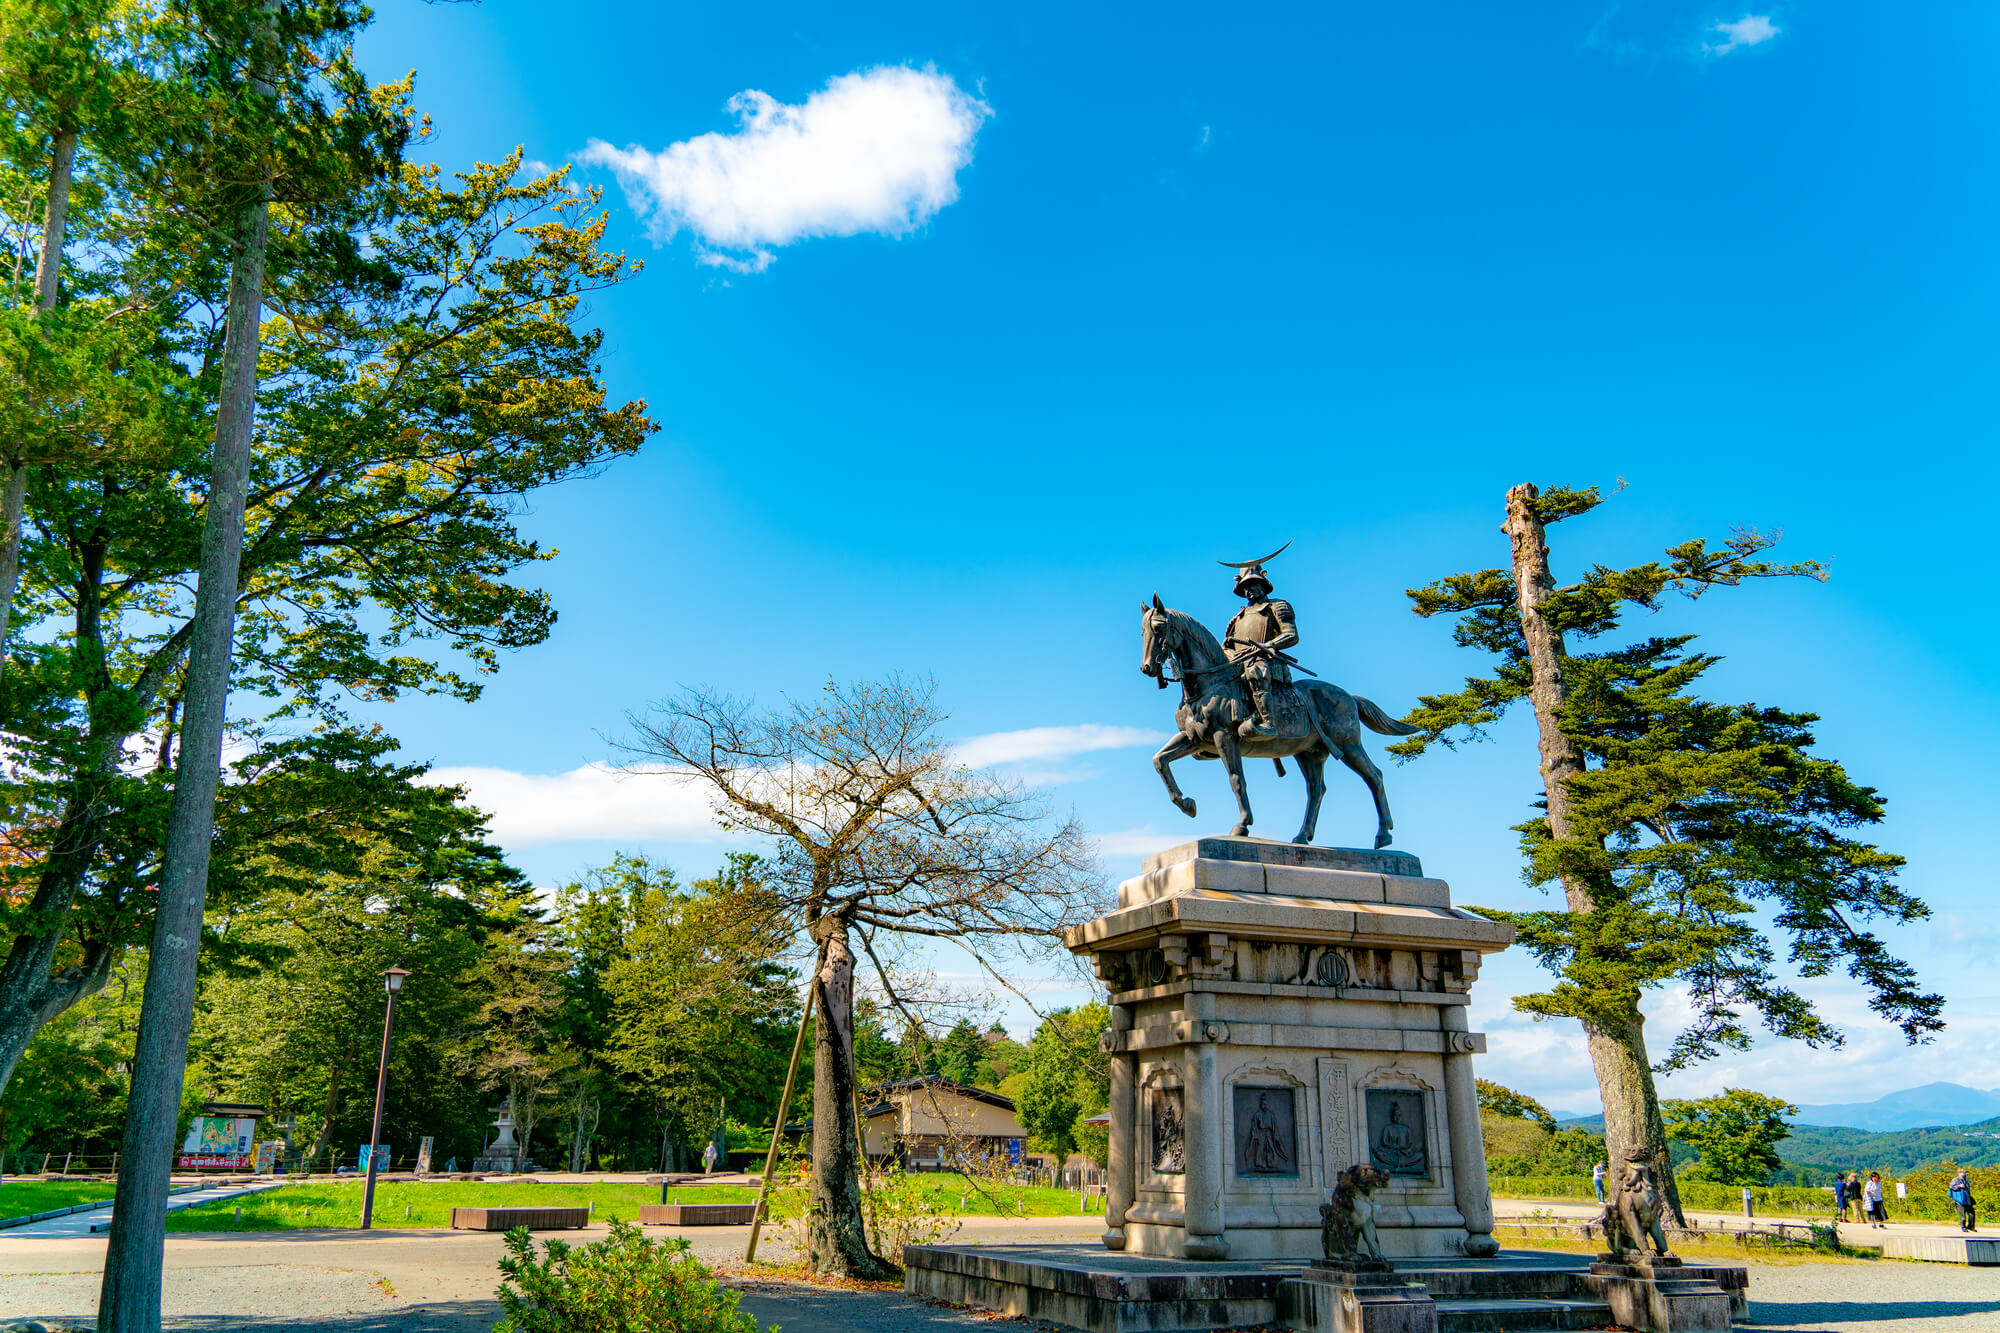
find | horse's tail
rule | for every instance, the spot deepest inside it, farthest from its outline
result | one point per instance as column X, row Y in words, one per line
column 1377, row 720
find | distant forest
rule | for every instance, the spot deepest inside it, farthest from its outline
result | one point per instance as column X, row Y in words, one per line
column 1812, row 1153
column 1827, row 1149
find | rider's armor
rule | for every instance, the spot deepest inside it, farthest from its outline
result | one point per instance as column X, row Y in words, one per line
column 1259, row 629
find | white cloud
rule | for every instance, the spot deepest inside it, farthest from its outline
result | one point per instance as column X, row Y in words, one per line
column 595, row 801
column 605, row 801
column 1045, row 743
column 877, row 150
column 1750, row 30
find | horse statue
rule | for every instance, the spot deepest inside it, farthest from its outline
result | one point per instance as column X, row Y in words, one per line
column 1318, row 720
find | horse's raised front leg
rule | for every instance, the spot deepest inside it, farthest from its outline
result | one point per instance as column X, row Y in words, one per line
column 1357, row 759
column 1312, row 764
column 1180, row 747
column 1232, row 759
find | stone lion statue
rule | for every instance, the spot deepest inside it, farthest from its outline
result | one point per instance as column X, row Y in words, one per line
column 1347, row 1222
column 1632, row 1213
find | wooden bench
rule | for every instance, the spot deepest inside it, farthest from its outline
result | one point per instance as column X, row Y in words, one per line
column 506, row 1219
column 697, row 1214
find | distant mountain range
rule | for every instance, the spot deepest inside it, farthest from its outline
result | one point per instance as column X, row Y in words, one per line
column 1913, row 1108
column 1903, row 1131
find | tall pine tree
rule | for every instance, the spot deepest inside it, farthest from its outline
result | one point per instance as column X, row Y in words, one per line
column 1684, row 834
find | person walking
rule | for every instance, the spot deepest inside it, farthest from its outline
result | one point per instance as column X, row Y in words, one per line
column 1854, row 1196
column 1840, row 1196
column 1961, row 1195
column 1871, row 1198
column 1597, row 1180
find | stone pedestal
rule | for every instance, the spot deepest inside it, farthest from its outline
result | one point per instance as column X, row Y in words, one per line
column 1655, row 1294
column 1355, row 1298
column 1280, row 1013
column 503, row 1155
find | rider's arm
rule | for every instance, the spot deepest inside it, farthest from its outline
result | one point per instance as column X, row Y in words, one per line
column 1288, row 633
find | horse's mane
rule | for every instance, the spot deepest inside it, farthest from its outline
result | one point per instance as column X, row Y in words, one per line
column 1197, row 633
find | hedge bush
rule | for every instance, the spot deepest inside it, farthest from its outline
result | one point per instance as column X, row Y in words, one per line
column 1927, row 1200
column 624, row 1283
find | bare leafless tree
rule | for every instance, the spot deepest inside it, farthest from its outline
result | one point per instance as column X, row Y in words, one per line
column 877, row 834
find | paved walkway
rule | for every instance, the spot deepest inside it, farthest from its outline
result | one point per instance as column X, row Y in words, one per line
column 396, row 1281
column 1858, row 1234
column 98, row 1220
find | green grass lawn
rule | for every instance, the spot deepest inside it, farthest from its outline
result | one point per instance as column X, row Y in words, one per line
column 338, row 1204
column 35, row 1196
column 995, row 1200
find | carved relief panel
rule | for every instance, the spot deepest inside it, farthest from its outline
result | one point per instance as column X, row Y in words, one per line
column 1267, row 1130
column 1168, row 1111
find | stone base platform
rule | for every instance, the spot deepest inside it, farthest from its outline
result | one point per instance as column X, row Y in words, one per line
column 1104, row 1291
column 1658, row 1294
column 1967, row 1249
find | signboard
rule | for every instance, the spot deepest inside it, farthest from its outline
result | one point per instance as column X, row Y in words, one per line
column 1014, row 1151
column 361, row 1161
column 267, row 1157
column 424, row 1156
column 218, row 1143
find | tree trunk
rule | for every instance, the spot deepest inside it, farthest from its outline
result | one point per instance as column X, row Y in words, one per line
column 583, row 1126
column 130, row 1298
column 836, row 1238
column 329, row 1109
column 1617, row 1046
column 32, row 989
column 48, row 276
column 521, row 1105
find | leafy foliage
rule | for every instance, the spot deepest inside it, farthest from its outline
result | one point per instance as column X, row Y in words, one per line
column 1504, row 1101
column 961, row 1052
column 1694, row 832
column 701, row 1010
column 1066, row 1077
column 1737, row 1133
column 423, row 368
column 625, row 1282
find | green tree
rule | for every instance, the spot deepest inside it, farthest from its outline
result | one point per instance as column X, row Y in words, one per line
column 337, row 863
column 960, row 1052
column 1504, row 1101
column 69, row 1092
column 702, row 1009
column 1682, row 833
column 1065, row 1077
column 1737, row 1134
column 515, row 1046
column 399, row 431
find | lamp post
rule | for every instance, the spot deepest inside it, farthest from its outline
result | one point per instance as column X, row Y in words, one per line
column 392, row 981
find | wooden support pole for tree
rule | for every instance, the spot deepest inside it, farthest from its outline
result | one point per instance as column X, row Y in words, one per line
column 778, row 1127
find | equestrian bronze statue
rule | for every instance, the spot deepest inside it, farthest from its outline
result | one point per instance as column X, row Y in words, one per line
column 1238, row 698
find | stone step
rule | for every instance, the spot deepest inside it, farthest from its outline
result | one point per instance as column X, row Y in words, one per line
column 1493, row 1316
column 1497, row 1282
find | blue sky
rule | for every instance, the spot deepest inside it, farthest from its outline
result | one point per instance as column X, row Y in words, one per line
column 1150, row 286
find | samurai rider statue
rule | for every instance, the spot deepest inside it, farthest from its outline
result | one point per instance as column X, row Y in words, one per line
column 1257, row 637
column 1238, row 700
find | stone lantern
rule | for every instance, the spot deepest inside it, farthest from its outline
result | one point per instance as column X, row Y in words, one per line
column 1279, row 1014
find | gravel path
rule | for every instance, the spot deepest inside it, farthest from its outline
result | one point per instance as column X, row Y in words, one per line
column 442, row 1282
column 1888, row 1297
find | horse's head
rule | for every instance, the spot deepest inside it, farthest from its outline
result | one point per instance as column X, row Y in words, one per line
column 1156, row 639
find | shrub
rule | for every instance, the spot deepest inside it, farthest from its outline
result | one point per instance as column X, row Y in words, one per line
column 624, row 1283
column 906, row 1210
